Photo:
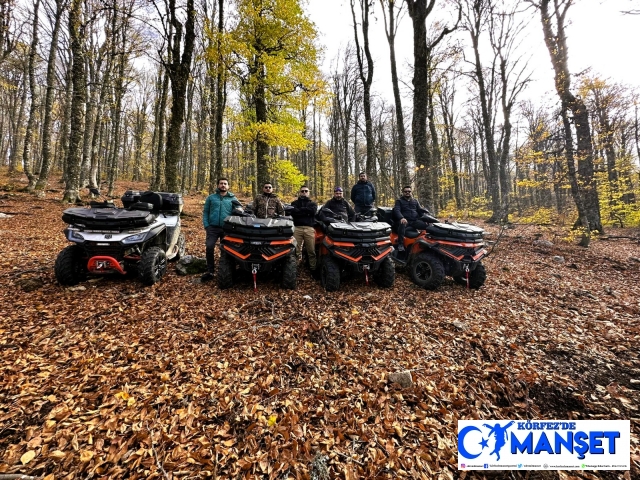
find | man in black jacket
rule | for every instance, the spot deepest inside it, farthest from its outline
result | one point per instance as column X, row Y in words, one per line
column 339, row 206
column 407, row 212
column 304, row 213
column 363, row 194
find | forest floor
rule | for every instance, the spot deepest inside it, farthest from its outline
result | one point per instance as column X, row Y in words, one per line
column 184, row 381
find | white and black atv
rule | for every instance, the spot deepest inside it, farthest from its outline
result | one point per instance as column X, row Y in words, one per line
column 136, row 239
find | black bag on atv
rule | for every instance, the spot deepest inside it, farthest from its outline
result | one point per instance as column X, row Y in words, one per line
column 161, row 201
column 107, row 218
column 456, row 232
column 252, row 228
column 359, row 231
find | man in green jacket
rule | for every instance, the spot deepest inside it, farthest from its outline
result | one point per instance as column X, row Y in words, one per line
column 217, row 207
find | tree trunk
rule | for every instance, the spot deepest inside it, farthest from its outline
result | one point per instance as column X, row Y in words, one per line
column 366, row 80
column 159, row 131
column 16, row 122
column 97, row 125
column 262, row 148
column 447, row 102
column 432, row 173
column 584, row 187
column 391, row 30
column 119, row 90
column 474, row 27
column 43, row 178
column 78, row 99
column 221, row 92
column 419, row 10
column 179, row 69
column 421, row 153
column 27, row 155
column 63, row 143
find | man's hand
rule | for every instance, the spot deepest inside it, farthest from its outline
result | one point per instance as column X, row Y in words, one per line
column 403, row 221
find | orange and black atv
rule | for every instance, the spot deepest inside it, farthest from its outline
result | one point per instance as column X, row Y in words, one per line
column 362, row 246
column 453, row 249
column 260, row 246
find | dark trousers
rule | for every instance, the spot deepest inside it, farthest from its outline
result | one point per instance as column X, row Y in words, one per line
column 213, row 234
column 417, row 224
column 362, row 208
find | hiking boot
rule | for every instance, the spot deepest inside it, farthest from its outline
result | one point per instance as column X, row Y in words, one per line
column 399, row 256
column 206, row 277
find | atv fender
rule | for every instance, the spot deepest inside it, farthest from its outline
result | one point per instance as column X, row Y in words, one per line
column 421, row 244
column 158, row 237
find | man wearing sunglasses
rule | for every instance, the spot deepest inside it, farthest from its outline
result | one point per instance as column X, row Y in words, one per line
column 407, row 212
column 304, row 212
column 267, row 204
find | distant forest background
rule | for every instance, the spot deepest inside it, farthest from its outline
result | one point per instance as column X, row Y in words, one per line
column 180, row 92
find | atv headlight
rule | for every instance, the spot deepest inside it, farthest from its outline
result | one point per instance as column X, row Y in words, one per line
column 138, row 237
column 75, row 236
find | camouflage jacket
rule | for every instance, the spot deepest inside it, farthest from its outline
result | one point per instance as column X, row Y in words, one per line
column 267, row 205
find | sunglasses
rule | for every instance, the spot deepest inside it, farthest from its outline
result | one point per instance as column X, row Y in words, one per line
column 406, row 191
column 304, row 191
column 267, row 188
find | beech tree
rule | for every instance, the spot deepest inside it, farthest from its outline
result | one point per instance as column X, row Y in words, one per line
column 178, row 68
column 275, row 58
column 393, row 8
column 419, row 10
column 27, row 154
column 366, row 76
column 553, row 14
column 78, row 99
column 49, row 97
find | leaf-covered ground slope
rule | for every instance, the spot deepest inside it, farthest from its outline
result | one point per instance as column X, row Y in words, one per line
column 181, row 380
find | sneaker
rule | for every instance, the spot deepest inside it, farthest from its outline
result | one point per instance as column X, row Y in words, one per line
column 206, row 277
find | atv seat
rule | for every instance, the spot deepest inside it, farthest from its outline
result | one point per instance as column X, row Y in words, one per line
column 155, row 199
column 411, row 232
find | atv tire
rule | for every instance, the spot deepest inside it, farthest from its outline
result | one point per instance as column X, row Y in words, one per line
column 476, row 278
column 289, row 272
column 226, row 271
column 70, row 267
column 152, row 266
column 330, row 275
column 385, row 276
column 427, row 271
